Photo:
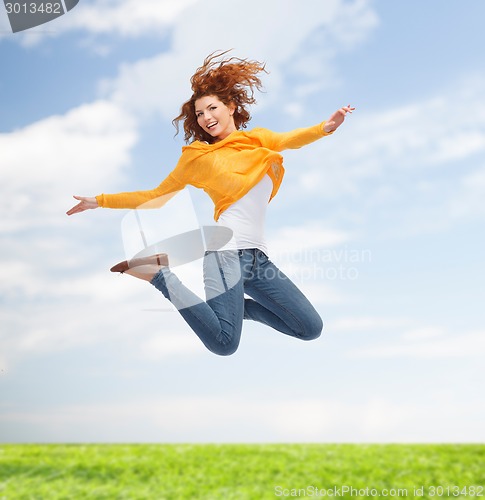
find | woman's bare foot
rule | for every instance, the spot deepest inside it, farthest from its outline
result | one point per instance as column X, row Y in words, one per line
column 146, row 272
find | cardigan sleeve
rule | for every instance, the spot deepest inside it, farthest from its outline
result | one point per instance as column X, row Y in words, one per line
column 279, row 141
column 139, row 199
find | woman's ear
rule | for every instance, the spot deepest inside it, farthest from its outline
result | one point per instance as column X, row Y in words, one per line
column 232, row 107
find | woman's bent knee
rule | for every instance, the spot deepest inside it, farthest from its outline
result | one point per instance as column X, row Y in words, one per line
column 312, row 329
column 224, row 350
column 223, row 346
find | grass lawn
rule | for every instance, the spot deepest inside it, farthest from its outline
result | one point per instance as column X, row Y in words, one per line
column 241, row 471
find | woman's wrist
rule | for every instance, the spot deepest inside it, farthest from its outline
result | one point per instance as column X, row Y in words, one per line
column 327, row 127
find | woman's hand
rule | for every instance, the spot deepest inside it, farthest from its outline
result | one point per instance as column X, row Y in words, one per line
column 334, row 122
column 85, row 203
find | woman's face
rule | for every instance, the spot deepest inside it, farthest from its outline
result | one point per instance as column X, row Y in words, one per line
column 215, row 117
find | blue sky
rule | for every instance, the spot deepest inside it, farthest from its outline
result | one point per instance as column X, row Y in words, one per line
column 380, row 224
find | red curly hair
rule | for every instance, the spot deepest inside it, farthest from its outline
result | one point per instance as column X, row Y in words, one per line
column 231, row 80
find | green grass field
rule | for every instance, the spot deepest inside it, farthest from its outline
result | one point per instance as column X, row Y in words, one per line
column 241, row 471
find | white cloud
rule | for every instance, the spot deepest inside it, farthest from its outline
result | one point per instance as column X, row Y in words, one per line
column 355, row 324
column 301, row 239
column 428, row 343
column 169, row 344
column 309, row 50
column 314, row 287
column 232, row 419
column 313, row 257
column 153, row 85
column 424, row 333
column 342, row 27
column 46, row 162
column 94, row 310
column 125, row 18
column 416, row 168
column 467, row 200
column 412, row 137
column 58, row 295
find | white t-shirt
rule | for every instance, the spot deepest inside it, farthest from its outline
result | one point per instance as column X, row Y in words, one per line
column 246, row 218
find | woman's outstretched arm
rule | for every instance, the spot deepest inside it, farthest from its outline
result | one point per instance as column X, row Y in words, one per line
column 133, row 199
column 294, row 139
column 85, row 203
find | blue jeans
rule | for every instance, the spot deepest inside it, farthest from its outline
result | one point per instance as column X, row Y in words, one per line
column 228, row 275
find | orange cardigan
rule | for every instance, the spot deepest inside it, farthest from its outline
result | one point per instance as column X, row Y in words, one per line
column 226, row 170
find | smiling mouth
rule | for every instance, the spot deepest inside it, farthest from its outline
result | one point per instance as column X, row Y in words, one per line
column 212, row 125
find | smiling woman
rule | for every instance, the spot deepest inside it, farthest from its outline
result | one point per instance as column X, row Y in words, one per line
column 214, row 117
column 241, row 172
column 229, row 84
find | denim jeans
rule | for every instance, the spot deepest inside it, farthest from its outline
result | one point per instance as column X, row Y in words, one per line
column 228, row 276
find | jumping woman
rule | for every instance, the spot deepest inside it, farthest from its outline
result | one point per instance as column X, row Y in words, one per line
column 241, row 171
